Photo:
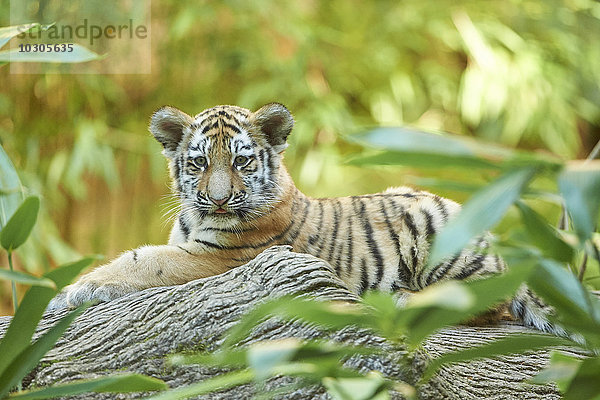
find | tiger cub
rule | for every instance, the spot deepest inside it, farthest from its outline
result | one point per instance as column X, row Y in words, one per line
column 237, row 199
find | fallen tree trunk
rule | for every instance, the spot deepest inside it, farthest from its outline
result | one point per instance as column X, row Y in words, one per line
column 136, row 333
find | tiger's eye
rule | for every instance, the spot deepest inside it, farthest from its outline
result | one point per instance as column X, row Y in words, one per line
column 200, row 161
column 241, row 160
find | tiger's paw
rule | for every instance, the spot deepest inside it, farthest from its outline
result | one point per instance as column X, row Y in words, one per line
column 91, row 291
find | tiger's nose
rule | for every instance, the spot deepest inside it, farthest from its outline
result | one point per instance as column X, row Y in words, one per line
column 219, row 188
column 219, row 202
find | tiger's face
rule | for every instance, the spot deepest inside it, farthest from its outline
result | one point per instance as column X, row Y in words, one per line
column 224, row 161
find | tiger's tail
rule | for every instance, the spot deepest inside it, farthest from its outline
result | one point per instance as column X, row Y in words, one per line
column 527, row 307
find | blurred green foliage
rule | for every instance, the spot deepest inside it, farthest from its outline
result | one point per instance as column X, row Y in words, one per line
column 520, row 72
column 19, row 354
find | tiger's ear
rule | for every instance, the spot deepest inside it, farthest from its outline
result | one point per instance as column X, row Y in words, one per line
column 167, row 124
column 276, row 122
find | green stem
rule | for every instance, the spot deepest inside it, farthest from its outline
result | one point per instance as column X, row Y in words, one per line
column 13, row 284
column 14, row 299
column 582, row 267
column 220, row 382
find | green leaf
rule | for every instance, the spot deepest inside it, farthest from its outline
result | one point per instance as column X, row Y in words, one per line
column 560, row 288
column 576, row 308
column 579, row 184
column 370, row 387
column 562, row 370
column 65, row 274
column 426, row 149
column 483, row 210
column 7, row 33
column 586, row 383
column 544, row 236
column 430, row 310
column 508, row 345
column 11, row 194
column 387, row 318
column 218, row 383
column 420, row 322
column 26, row 279
column 130, row 383
column 422, row 160
column 252, row 319
column 430, row 144
column 114, row 384
column 22, row 326
column 79, row 54
column 313, row 359
column 26, row 360
column 21, row 223
column 263, row 357
column 310, row 361
column 326, row 314
column 451, row 295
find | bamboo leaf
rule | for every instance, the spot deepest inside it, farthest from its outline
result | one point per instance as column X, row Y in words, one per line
column 220, row 382
column 114, row 384
column 26, row 279
column 329, row 315
column 369, row 387
column 508, row 345
column 420, row 322
column 560, row 288
column 428, row 144
column 405, row 146
column 11, row 195
column 561, row 371
column 22, row 326
column 579, row 184
column 586, row 383
column 577, row 310
column 65, row 274
column 262, row 357
column 8, row 32
column 422, row 160
column 26, row 360
column 544, row 236
column 20, row 224
column 481, row 212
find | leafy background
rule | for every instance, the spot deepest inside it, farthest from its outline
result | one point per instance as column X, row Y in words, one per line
column 520, row 73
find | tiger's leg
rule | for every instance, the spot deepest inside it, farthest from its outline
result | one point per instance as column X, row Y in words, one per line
column 530, row 309
column 475, row 262
column 138, row 269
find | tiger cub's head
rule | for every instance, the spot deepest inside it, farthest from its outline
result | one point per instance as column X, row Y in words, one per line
column 225, row 161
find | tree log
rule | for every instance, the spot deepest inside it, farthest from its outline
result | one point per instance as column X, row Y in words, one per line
column 135, row 334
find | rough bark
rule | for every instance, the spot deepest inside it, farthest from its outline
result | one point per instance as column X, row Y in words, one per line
column 136, row 333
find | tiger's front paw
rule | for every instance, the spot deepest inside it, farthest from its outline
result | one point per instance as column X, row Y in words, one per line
column 83, row 291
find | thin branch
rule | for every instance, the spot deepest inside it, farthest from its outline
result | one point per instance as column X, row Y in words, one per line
column 594, row 153
column 563, row 222
column 582, row 267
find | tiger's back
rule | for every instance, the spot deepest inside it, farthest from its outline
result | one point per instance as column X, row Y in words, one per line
column 381, row 241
